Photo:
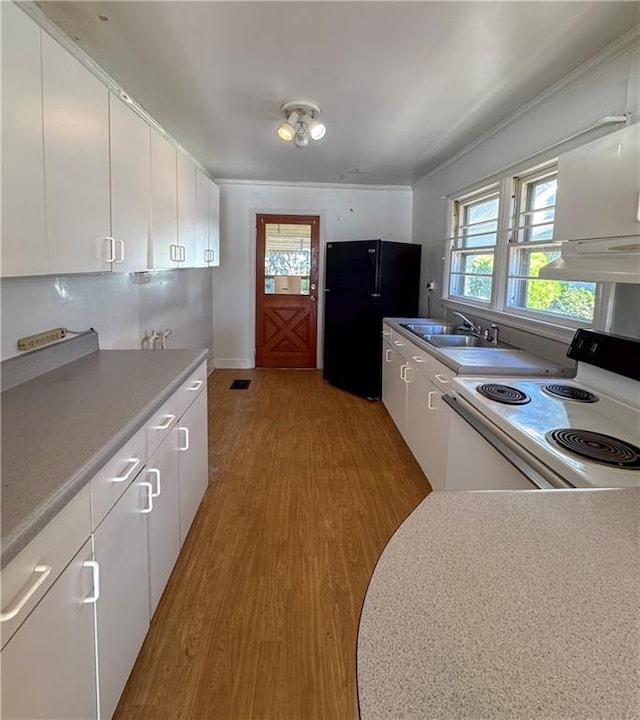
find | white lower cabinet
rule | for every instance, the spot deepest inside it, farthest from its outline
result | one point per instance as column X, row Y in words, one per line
column 394, row 387
column 193, row 465
column 413, row 383
column 48, row 666
column 122, row 610
column 163, row 522
column 71, row 629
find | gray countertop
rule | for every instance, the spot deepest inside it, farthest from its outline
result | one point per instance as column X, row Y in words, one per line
column 506, row 604
column 60, row 428
column 482, row 361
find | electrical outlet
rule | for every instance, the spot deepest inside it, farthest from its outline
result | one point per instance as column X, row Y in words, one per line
column 32, row 342
column 431, row 285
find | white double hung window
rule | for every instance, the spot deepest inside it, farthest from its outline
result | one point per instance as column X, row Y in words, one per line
column 473, row 245
column 531, row 247
column 500, row 238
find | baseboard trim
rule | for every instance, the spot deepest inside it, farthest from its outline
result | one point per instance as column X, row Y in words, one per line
column 234, row 363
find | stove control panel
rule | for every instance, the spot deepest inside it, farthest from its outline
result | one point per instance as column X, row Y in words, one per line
column 617, row 354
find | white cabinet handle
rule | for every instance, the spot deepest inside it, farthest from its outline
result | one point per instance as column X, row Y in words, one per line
column 418, row 359
column 119, row 244
column 168, row 419
column 111, row 250
column 183, row 253
column 386, row 355
column 173, row 252
column 403, row 370
column 406, row 374
column 430, row 396
column 95, row 568
column 132, row 464
column 398, row 343
column 196, row 385
column 43, row 572
column 441, row 378
column 386, row 333
column 156, row 472
column 149, row 487
column 185, row 430
column 207, row 256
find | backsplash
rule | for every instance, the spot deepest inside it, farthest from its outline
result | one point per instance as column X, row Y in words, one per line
column 119, row 306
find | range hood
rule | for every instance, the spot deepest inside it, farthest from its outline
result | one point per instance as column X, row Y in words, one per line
column 614, row 259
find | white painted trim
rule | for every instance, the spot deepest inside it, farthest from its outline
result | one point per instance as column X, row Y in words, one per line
column 603, row 58
column 233, row 363
column 318, row 185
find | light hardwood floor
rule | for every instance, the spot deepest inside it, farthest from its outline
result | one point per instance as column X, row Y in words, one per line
column 259, row 619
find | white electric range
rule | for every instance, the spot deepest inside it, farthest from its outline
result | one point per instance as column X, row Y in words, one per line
column 559, row 433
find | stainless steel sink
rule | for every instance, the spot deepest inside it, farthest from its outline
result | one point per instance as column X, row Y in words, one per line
column 422, row 329
column 461, row 341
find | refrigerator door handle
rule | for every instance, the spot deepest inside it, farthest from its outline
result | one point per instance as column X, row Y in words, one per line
column 375, row 294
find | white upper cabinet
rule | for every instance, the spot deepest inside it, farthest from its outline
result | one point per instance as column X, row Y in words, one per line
column 186, row 173
column 214, row 225
column 202, row 219
column 24, row 249
column 130, row 186
column 599, row 188
column 207, row 221
column 76, row 153
column 163, row 249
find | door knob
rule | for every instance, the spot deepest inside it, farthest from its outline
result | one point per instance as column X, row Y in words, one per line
column 312, row 298
column 313, row 286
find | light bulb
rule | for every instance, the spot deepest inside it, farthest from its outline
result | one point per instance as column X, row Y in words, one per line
column 316, row 129
column 286, row 132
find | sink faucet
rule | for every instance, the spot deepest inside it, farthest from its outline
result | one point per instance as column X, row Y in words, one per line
column 468, row 325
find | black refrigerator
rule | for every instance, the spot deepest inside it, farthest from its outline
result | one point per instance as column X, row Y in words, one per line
column 365, row 280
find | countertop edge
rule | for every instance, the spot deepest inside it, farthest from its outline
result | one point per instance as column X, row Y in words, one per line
column 21, row 535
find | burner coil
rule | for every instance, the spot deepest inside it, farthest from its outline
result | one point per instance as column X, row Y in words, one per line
column 596, row 446
column 503, row 394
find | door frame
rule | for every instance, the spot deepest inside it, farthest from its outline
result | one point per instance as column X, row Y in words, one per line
column 253, row 269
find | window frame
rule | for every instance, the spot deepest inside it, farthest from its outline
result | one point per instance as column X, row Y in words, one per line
column 497, row 309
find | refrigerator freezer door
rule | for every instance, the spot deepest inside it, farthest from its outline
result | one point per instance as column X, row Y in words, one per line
column 399, row 279
column 353, row 266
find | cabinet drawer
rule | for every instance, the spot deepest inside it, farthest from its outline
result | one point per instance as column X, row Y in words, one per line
column 32, row 572
column 440, row 374
column 116, row 476
column 191, row 388
column 161, row 423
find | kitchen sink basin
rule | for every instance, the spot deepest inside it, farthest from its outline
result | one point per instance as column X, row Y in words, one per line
column 461, row 341
column 422, row 329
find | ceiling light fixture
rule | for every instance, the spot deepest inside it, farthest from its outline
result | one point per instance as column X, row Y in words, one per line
column 302, row 123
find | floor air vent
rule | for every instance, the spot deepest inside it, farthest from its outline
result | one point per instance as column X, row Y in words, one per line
column 240, row 384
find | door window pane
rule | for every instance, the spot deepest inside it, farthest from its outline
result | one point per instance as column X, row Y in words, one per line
column 287, row 259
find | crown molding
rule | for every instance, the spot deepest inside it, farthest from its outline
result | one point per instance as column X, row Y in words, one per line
column 318, row 185
column 604, row 57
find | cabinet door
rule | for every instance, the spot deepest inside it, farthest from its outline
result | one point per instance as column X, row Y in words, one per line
column 130, row 186
column 24, row 247
column 186, row 176
column 394, row 387
column 427, row 427
column 163, row 520
column 76, row 153
column 193, row 461
column 164, row 204
column 48, row 666
column 202, row 254
column 122, row 610
column 599, row 188
column 214, row 224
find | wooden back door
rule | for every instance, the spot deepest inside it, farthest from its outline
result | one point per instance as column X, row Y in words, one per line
column 286, row 290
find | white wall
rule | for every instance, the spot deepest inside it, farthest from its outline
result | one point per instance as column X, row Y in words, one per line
column 609, row 87
column 346, row 213
column 120, row 306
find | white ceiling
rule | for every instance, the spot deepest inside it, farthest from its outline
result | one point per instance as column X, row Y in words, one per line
column 402, row 85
